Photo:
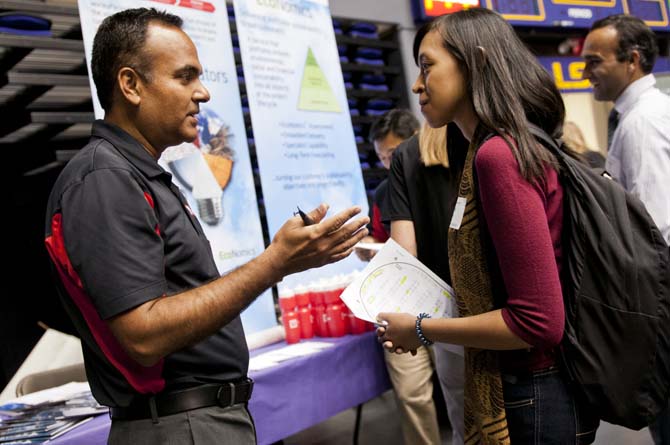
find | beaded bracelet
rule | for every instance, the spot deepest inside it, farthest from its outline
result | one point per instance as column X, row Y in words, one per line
column 419, row 332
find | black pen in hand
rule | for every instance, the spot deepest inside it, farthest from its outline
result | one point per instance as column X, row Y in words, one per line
column 305, row 219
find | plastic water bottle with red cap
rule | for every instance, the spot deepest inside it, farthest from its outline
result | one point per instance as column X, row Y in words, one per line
column 318, row 309
column 337, row 319
column 289, row 316
column 304, row 311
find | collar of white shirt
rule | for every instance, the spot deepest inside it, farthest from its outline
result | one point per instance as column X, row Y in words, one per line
column 633, row 92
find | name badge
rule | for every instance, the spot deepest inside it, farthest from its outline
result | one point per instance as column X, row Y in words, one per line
column 459, row 210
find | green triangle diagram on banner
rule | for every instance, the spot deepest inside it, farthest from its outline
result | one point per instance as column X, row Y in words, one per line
column 315, row 92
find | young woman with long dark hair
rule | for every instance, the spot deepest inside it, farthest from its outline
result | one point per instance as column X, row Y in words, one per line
column 505, row 235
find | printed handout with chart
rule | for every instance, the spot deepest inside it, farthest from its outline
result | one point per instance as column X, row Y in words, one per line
column 395, row 281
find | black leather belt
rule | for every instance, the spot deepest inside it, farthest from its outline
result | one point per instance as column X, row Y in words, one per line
column 224, row 395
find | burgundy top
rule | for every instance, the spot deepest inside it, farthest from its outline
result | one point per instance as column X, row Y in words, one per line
column 525, row 222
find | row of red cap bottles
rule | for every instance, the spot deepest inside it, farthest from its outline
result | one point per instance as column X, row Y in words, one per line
column 317, row 310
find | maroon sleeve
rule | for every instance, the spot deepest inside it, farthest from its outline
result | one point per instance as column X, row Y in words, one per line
column 516, row 215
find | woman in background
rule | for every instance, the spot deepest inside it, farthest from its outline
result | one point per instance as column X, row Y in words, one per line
column 574, row 139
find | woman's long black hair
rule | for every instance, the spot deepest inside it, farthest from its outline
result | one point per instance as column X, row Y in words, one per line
column 507, row 85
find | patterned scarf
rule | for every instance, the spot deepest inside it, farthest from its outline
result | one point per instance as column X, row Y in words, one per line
column 485, row 421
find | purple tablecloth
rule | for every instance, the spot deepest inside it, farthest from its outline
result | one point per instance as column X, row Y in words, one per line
column 295, row 394
column 94, row 432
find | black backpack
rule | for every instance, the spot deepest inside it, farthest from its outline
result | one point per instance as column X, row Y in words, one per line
column 616, row 291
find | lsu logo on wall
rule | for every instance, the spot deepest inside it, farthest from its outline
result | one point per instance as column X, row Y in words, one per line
column 567, row 73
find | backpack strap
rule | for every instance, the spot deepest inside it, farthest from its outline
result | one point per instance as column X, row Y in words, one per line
column 545, row 139
column 564, row 158
column 553, row 145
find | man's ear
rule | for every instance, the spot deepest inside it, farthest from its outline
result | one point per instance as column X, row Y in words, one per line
column 130, row 85
column 635, row 60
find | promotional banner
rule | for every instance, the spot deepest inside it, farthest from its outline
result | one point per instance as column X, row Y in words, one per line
column 299, row 112
column 214, row 172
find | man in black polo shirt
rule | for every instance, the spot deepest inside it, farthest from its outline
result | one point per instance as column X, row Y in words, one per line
column 161, row 334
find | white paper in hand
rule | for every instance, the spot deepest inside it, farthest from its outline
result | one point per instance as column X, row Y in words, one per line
column 369, row 246
column 395, row 281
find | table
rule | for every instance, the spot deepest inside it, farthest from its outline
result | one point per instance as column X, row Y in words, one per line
column 295, row 394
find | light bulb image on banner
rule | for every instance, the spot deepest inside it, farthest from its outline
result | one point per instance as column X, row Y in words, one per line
column 206, row 172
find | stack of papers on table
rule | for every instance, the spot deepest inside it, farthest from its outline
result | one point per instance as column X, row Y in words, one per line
column 44, row 415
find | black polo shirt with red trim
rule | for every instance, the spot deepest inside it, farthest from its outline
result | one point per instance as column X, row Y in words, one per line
column 120, row 233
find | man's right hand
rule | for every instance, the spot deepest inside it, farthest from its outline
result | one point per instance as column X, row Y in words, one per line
column 297, row 247
column 151, row 331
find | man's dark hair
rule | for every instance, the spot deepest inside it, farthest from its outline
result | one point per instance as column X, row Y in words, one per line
column 400, row 122
column 633, row 34
column 119, row 43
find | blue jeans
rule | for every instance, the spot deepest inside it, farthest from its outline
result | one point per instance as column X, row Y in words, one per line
column 542, row 410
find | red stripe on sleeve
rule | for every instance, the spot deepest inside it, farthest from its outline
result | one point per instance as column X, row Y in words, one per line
column 145, row 380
